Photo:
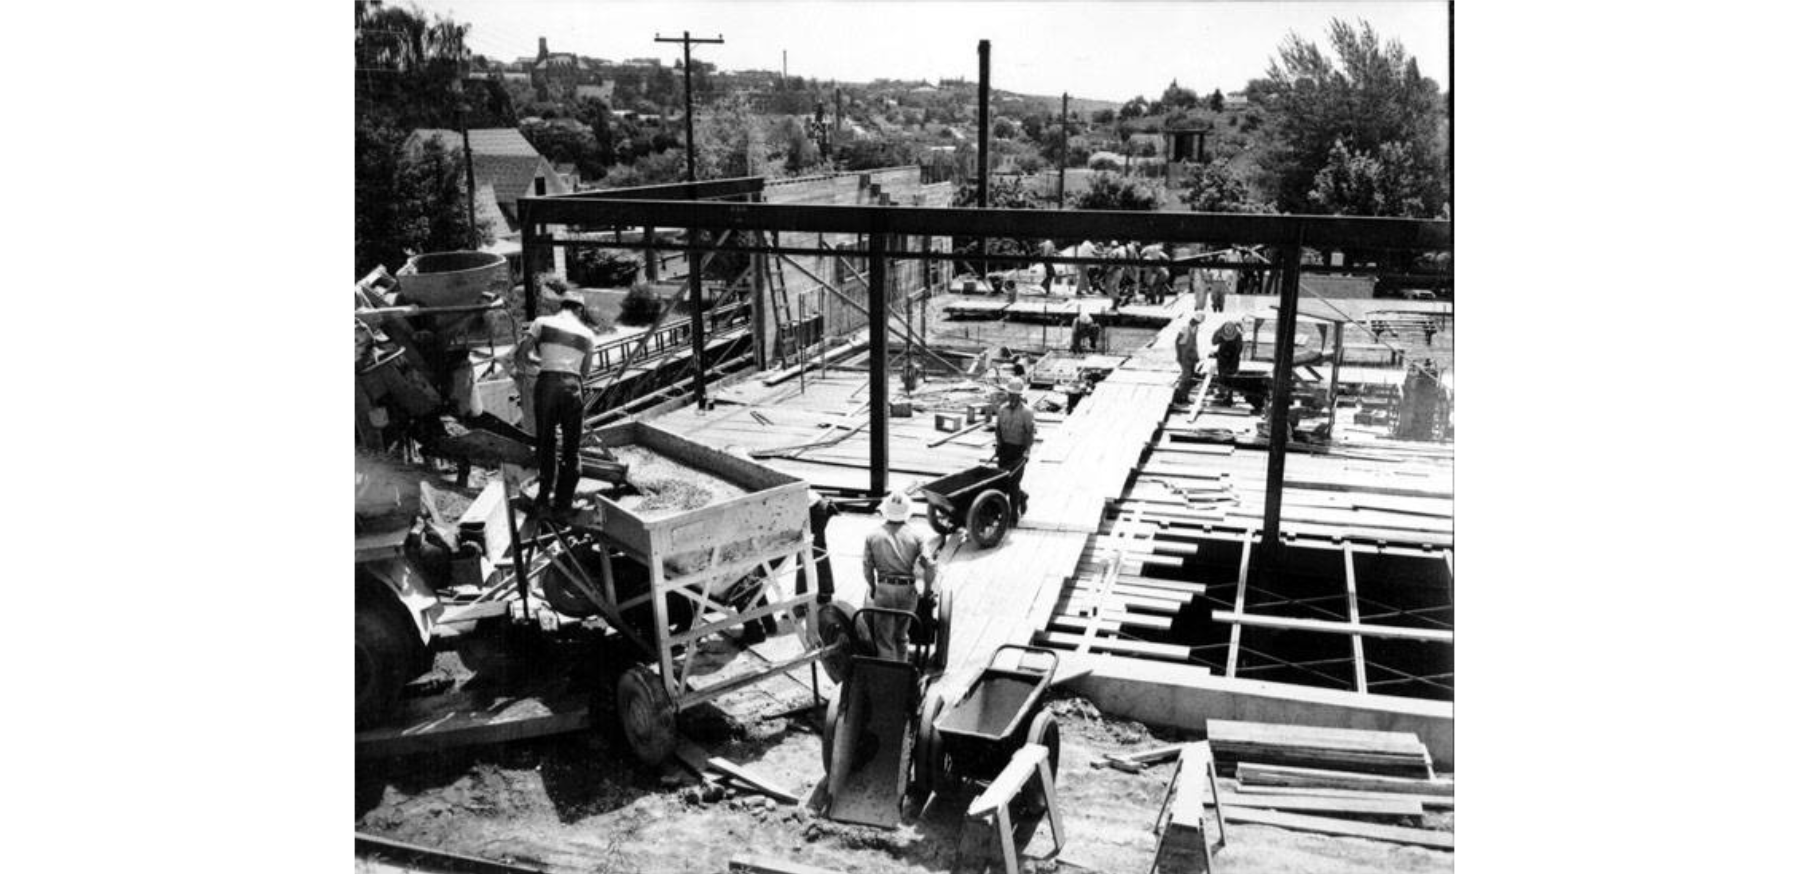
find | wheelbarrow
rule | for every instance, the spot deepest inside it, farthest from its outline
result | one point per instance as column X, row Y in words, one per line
column 977, row 499
column 869, row 730
column 972, row 737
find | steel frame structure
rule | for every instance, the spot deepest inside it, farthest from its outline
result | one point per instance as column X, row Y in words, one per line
column 720, row 206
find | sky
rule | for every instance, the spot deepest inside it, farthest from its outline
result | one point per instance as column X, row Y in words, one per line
column 1104, row 51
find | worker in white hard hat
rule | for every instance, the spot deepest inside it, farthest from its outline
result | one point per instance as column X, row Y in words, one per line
column 894, row 554
column 1015, row 429
column 1186, row 354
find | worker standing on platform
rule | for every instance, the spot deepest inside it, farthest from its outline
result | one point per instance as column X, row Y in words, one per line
column 1186, row 354
column 894, row 553
column 1227, row 354
column 1086, row 331
column 1085, row 273
column 1016, row 433
column 1048, row 267
column 560, row 346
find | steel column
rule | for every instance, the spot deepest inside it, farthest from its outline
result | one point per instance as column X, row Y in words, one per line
column 877, row 316
column 698, row 340
column 1279, row 405
column 530, row 247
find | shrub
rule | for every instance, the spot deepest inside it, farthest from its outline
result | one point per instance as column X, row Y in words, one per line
column 641, row 306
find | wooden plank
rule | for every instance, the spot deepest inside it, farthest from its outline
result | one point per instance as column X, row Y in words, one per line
column 762, row 865
column 1430, row 635
column 1287, row 775
column 1236, row 631
column 1403, row 743
column 1429, row 802
column 1349, row 581
column 1167, row 651
column 1343, row 827
column 701, row 762
column 1375, row 806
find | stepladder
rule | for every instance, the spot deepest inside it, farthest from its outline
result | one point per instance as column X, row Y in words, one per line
column 1180, row 844
column 992, row 809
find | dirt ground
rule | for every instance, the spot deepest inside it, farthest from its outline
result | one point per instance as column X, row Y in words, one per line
column 579, row 803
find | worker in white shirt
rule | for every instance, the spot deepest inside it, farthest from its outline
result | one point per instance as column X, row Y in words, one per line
column 560, row 345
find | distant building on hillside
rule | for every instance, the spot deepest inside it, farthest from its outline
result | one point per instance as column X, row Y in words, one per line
column 558, row 74
column 507, row 168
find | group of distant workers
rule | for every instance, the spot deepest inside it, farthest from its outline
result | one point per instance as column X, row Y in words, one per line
column 1122, row 283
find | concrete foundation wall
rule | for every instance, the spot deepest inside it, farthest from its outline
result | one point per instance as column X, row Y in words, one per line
column 1183, row 696
column 900, row 186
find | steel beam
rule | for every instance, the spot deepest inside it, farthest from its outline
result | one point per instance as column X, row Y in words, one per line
column 707, row 190
column 1273, row 230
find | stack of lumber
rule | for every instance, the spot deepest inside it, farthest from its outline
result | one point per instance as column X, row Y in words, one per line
column 1338, row 803
column 1391, row 753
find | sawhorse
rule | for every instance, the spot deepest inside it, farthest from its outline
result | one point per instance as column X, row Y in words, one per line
column 992, row 807
column 1180, row 826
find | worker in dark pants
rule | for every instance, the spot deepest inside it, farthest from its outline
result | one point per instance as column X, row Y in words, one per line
column 894, row 554
column 1047, row 250
column 560, row 346
column 1227, row 355
column 1016, row 432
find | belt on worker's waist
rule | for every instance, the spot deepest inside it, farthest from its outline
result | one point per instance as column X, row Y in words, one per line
column 897, row 580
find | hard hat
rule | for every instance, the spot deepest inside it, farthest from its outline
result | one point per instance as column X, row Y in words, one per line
column 895, row 507
column 1014, row 386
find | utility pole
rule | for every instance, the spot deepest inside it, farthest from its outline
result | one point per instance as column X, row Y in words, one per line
column 693, row 258
column 690, row 137
column 1061, row 161
column 985, row 139
column 464, row 134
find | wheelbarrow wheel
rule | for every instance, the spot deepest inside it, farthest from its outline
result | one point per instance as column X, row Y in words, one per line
column 927, row 759
column 1045, row 731
column 830, row 716
column 987, row 519
column 649, row 721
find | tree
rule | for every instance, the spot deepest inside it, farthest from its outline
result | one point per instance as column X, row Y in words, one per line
column 407, row 202
column 801, row 152
column 1136, row 108
column 1215, row 102
column 1032, row 126
column 1365, row 94
column 1110, row 190
column 1104, row 116
column 731, row 142
column 1214, row 188
column 1176, row 97
column 1389, row 182
column 1003, row 129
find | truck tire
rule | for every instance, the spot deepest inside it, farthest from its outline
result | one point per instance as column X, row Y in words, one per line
column 648, row 719
column 385, row 658
column 988, row 518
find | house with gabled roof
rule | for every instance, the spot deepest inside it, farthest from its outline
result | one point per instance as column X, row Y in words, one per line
column 506, row 167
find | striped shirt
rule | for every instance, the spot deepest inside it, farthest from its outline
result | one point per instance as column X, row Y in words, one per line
column 564, row 342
